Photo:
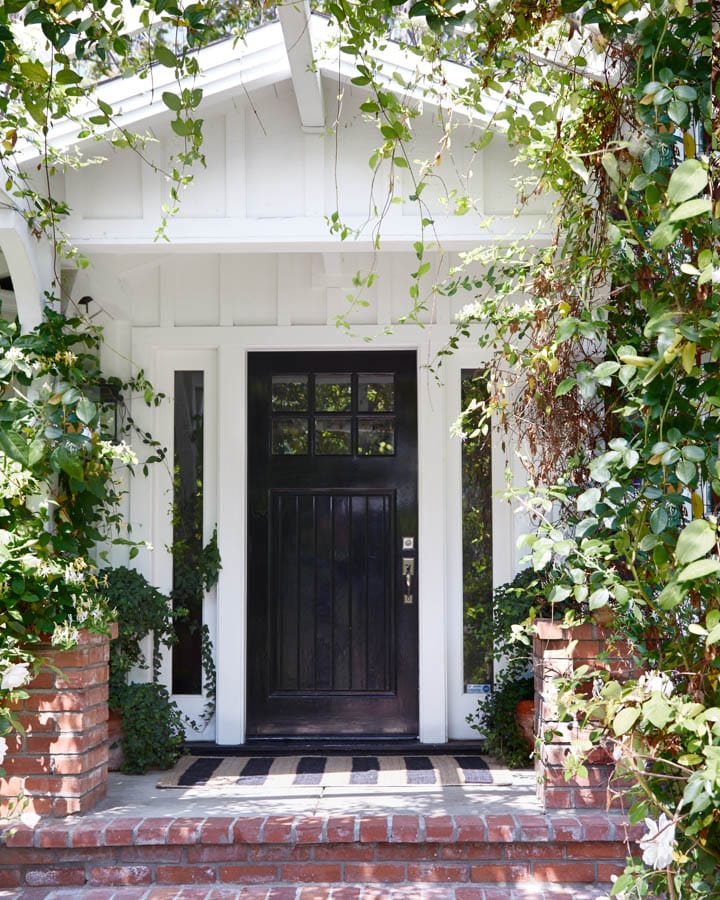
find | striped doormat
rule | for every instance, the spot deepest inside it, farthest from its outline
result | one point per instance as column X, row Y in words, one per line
column 326, row 771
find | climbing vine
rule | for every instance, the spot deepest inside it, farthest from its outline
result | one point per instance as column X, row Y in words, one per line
column 61, row 487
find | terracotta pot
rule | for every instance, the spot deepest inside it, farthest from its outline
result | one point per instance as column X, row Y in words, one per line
column 525, row 715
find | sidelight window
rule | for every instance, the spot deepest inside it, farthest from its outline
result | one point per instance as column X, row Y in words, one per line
column 189, row 428
column 477, row 544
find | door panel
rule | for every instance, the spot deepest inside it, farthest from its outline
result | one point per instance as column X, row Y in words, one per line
column 332, row 487
column 333, row 554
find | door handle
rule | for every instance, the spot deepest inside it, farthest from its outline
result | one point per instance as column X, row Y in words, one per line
column 408, row 572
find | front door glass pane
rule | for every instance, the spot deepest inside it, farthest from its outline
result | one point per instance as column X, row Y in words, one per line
column 376, row 393
column 333, row 436
column 289, row 436
column 333, row 393
column 289, row 393
column 376, row 437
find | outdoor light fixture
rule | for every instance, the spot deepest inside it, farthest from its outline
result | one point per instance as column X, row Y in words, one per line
column 110, row 400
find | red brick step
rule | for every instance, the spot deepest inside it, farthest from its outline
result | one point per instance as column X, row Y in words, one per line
column 456, row 856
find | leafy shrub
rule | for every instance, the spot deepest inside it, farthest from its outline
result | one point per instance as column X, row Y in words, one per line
column 152, row 725
column 496, row 720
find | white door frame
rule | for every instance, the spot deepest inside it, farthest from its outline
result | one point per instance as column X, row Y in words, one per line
column 222, row 353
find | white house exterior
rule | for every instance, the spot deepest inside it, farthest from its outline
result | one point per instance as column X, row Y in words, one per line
column 251, row 273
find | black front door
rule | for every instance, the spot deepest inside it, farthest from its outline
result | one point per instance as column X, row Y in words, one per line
column 332, row 484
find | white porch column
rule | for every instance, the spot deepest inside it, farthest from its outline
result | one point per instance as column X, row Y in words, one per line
column 231, row 659
column 30, row 267
column 432, row 443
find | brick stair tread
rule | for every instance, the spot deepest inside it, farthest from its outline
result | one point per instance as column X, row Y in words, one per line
column 530, row 891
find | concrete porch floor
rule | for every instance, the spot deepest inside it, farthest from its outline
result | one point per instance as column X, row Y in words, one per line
column 138, row 796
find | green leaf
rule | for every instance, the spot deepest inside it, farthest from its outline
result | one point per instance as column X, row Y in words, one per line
column 649, row 541
column 625, row 719
column 598, row 598
column 685, row 92
column 652, row 87
column 713, row 637
column 671, row 596
column 14, row 446
column 165, row 57
column 663, row 96
column 657, row 710
column 482, row 142
column 182, row 127
column 578, row 167
column 172, row 101
column 650, row 160
column 85, row 410
column 71, row 396
column 69, row 462
column 604, row 369
column 631, row 458
column 701, row 568
column 588, row 499
column 690, row 208
column 658, row 520
column 686, row 471
column 678, row 111
column 693, row 452
column 34, row 71
column 610, row 165
column 68, row 76
column 663, row 235
column 696, row 539
column 687, row 181
column 566, row 385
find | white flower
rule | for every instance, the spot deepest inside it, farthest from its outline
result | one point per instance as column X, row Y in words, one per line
column 15, row 676
column 657, row 845
column 657, row 682
column 29, row 819
column 3, row 749
column 14, row 354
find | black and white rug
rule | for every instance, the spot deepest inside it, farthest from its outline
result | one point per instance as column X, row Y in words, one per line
column 331, row 771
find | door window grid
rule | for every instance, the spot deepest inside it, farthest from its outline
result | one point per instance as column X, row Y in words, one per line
column 344, row 415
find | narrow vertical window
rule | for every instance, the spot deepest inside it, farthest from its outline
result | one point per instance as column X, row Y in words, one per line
column 477, row 544
column 188, row 530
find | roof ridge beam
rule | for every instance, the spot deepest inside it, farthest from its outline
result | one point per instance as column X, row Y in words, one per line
column 307, row 83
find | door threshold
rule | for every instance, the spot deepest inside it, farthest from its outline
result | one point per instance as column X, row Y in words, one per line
column 383, row 746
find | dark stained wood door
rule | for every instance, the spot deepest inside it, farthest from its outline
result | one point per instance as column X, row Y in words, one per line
column 332, row 484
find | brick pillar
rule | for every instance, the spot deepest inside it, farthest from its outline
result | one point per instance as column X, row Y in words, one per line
column 558, row 652
column 60, row 764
